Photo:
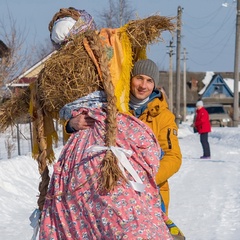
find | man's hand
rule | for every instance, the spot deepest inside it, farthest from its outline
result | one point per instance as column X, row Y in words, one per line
column 81, row 122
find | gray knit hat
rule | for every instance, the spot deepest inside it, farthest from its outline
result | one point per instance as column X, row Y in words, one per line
column 146, row 67
column 199, row 103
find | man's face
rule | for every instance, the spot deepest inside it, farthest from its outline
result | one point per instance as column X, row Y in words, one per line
column 141, row 86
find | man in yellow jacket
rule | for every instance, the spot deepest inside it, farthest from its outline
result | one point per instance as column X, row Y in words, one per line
column 149, row 105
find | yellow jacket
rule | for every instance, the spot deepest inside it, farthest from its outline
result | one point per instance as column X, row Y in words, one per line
column 162, row 121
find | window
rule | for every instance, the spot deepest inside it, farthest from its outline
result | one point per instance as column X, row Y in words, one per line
column 215, row 110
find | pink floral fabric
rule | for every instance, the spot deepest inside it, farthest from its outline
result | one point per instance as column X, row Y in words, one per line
column 75, row 208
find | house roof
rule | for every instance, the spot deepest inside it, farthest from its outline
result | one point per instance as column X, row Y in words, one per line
column 31, row 73
column 217, row 86
column 212, row 78
column 4, row 50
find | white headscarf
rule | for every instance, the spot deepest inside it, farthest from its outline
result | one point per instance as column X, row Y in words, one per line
column 61, row 29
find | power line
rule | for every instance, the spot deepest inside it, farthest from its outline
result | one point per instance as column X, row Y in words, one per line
column 216, row 11
column 218, row 30
column 216, row 37
column 215, row 44
column 213, row 16
column 215, row 57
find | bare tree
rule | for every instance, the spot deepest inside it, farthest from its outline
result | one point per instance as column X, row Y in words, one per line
column 13, row 59
column 43, row 49
column 4, row 52
column 118, row 13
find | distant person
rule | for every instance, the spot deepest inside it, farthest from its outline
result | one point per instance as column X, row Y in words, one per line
column 203, row 127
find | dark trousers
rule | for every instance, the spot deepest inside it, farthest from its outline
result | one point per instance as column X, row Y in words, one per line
column 205, row 144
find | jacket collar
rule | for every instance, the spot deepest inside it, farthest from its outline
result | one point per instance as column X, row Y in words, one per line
column 155, row 94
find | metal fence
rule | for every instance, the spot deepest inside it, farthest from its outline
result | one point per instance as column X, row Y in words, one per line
column 17, row 140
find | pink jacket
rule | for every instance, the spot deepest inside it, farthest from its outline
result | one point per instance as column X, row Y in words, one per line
column 202, row 122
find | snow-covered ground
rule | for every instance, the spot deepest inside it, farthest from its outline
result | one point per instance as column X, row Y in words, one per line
column 205, row 194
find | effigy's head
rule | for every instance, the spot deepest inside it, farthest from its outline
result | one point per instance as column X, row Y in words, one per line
column 69, row 73
column 68, row 22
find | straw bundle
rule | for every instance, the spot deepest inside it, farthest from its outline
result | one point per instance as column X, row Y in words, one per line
column 148, row 30
column 14, row 110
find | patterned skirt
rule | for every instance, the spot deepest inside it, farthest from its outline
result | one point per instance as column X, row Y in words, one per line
column 75, row 208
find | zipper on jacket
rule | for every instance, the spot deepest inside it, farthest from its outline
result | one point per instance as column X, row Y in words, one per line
column 168, row 138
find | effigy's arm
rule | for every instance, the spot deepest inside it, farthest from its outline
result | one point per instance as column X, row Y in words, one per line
column 148, row 30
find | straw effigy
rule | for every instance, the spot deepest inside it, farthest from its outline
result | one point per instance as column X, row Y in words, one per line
column 78, row 68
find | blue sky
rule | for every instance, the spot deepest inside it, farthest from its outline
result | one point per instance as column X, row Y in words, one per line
column 208, row 31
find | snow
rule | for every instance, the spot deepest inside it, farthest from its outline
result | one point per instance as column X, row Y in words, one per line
column 206, row 81
column 205, row 194
column 230, row 83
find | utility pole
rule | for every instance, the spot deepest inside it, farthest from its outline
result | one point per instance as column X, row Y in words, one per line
column 170, row 80
column 184, row 85
column 236, row 69
column 18, row 140
column 178, row 70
